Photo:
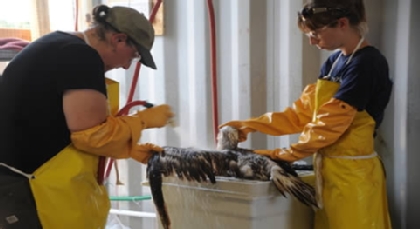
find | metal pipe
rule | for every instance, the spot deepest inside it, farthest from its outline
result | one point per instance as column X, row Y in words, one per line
column 130, row 198
column 138, row 214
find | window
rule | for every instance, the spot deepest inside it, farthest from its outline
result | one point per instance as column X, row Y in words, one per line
column 15, row 18
column 29, row 19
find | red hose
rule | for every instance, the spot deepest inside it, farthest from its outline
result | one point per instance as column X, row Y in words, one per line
column 134, row 83
column 102, row 174
column 213, row 63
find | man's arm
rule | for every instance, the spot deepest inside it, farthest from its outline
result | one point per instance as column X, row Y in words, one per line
column 84, row 109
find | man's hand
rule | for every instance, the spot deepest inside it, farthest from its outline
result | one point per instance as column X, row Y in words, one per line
column 156, row 117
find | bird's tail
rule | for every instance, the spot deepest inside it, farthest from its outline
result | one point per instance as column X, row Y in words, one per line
column 155, row 180
column 294, row 185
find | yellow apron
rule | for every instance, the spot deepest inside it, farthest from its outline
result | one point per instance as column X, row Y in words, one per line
column 351, row 184
column 66, row 190
column 67, row 193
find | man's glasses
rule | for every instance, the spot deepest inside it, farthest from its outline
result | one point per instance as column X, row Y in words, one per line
column 136, row 54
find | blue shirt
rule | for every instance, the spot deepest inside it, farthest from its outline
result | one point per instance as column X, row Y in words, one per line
column 364, row 81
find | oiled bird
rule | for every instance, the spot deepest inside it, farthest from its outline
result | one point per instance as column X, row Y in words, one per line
column 227, row 160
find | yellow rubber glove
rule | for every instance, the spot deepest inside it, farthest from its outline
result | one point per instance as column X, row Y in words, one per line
column 118, row 136
column 142, row 152
column 333, row 119
column 156, row 117
column 292, row 120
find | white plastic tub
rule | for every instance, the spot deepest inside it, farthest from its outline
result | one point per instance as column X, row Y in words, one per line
column 233, row 204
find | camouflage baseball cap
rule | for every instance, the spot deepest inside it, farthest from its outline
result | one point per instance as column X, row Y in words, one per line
column 138, row 29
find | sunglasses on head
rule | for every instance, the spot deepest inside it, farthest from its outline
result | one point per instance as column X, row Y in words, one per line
column 308, row 12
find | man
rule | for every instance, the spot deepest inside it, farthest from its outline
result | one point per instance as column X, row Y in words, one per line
column 55, row 121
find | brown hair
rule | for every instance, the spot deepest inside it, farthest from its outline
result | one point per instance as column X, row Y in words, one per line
column 327, row 12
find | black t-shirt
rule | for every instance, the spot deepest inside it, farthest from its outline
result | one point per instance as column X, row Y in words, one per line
column 365, row 82
column 32, row 123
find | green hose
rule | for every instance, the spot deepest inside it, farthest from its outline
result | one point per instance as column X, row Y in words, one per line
column 129, row 198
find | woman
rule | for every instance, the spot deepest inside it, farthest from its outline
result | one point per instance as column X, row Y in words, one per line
column 55, row 122
column 337, row 117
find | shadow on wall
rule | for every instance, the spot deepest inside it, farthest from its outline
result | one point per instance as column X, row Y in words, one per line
column 382, row 34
